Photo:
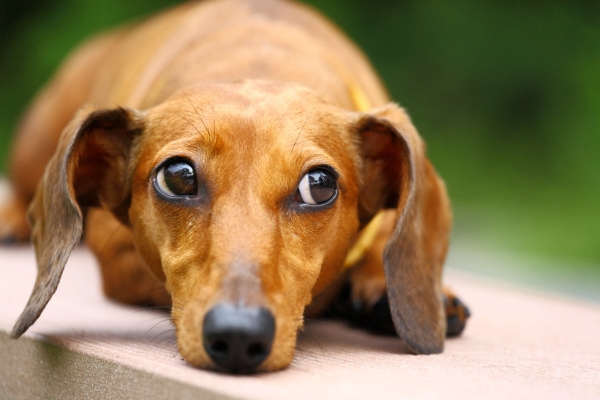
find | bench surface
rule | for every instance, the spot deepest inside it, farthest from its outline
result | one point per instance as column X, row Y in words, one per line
column 519, row 345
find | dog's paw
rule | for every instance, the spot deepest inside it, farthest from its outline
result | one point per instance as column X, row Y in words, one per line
column 363, row 302
column 367, row 289
column 13, row 221
column 377, row 318
column 373, row 317
column 457, row 314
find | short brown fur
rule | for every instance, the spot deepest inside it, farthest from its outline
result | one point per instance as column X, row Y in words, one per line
column 254, row 93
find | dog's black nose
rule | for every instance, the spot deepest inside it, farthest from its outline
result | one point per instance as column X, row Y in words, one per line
column 238, row 338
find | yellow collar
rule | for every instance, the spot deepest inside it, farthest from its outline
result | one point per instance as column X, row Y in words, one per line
column 359, row 98
column 367, row 236
column 365, row 240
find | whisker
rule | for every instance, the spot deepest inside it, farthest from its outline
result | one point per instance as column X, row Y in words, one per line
column 195, row 109
column 166, row 335
column 301, row 129
column 160, row 322
column 310, row 344
column 193, row 125
column 214, row 121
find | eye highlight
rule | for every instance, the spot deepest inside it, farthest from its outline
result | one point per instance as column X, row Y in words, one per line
column 177, row 178
column 317, row 187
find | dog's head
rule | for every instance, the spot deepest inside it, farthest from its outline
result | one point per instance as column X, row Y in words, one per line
column 244, row 199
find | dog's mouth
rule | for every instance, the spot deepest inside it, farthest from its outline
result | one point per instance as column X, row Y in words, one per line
column 238, row 338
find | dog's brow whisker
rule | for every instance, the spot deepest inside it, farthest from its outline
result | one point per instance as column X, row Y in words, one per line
column 193, row 125
column 195, row 109
column 302, row 129
column 214, row 121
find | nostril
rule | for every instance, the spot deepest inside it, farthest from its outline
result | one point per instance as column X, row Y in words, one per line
column 238, row 338
column 219, row 348
column 257, row 350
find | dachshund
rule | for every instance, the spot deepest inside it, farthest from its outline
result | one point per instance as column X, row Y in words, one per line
column 240, row 162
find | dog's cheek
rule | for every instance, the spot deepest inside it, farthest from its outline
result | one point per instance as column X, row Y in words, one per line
column 188, row 327
column 283, row 349
column 194, row 290
column 288, row 307
column 286, row 287
column 341, row 232
column 148, row 232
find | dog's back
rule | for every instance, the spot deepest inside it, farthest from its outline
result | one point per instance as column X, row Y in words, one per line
column 243, row 39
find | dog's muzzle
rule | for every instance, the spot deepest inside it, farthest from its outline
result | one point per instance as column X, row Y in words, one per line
column 238, row 338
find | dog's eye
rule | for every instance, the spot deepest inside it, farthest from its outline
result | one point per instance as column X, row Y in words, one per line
column 177, row 178
column 316, row 187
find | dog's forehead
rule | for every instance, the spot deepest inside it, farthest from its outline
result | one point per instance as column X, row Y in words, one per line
column 249, row 114
column 250, row 132
column 259, row 101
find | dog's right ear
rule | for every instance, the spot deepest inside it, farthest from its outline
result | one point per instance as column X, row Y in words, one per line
column 89, row 168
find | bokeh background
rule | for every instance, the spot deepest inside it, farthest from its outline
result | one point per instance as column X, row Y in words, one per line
column 506, row 94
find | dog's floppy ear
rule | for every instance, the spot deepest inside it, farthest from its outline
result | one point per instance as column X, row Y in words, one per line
column 89, row 168
column 398, row 175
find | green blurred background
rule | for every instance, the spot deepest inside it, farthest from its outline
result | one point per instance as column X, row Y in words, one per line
column 506, row 94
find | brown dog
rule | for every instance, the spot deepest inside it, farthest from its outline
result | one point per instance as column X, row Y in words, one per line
column 228, row 157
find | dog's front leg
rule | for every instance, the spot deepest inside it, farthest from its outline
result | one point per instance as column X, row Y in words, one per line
column 367, row 305
column 367, row 277
column 124, row 276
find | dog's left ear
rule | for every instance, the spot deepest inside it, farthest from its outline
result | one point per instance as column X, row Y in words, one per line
column 89, row 168
column 397, row 174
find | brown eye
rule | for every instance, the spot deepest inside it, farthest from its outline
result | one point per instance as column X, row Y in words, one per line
column 177, row 178
column 318, row 186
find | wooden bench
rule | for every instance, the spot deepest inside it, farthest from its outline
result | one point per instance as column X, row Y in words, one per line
column 518, row 345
